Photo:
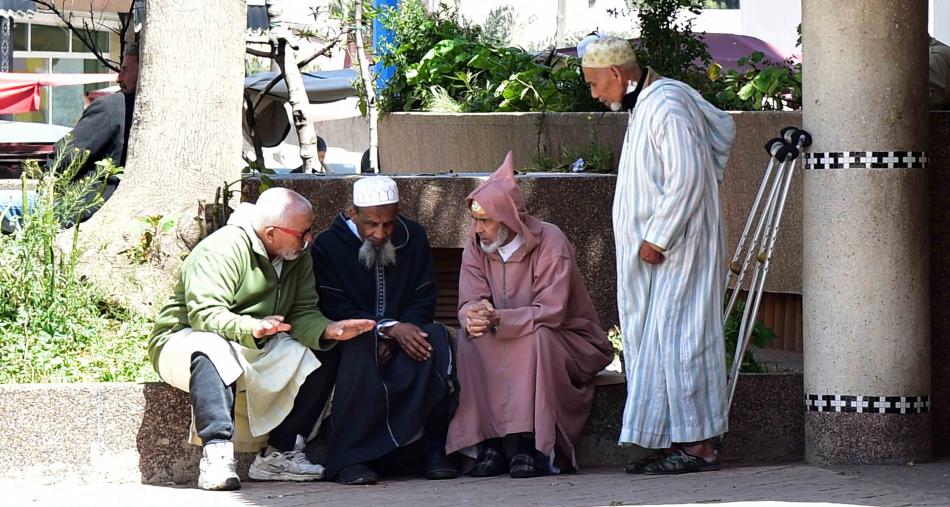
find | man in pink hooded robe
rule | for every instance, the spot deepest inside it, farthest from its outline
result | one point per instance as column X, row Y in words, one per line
column 531, row 342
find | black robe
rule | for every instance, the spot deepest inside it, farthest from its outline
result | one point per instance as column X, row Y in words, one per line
column 376, row 410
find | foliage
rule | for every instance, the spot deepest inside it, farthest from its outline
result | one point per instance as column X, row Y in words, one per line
column 473, row 76
column 443, row 64
column 415, row 32
column 594, row 157
column 668, row 44
column 762, row 336
column 762, row 85
column 54, row 325
column 148, row 247
column 615, row 337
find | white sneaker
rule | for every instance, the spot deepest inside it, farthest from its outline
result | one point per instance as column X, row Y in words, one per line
column 292, row 465
column 216, row 471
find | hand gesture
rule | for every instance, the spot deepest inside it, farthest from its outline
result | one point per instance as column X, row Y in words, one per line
column 269, row 326
column 481, row 317
column 412, row 340
column 650, row 255
column 346, row 329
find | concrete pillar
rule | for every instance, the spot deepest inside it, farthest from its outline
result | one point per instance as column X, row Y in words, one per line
column 865, row 275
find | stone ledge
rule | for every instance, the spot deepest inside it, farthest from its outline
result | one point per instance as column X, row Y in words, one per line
column 127, row 432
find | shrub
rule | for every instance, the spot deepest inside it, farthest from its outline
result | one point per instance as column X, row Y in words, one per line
column 763, row 85
column 55, row 326
column 441, row 63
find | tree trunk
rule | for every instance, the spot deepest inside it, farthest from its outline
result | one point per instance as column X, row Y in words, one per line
column 185, row 142
column 296, row 91
column 368, row 86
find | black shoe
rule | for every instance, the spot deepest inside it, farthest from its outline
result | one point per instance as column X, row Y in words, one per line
column 439, row 467
column 637, row 467
column 490, row 463
column 358, row 474
column 523, row 466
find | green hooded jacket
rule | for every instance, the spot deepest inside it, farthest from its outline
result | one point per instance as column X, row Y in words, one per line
column 227, row 283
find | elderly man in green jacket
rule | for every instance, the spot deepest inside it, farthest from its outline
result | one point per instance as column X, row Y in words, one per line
column 243, row 335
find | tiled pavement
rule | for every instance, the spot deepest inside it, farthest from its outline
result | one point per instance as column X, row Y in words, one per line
column 793, row 485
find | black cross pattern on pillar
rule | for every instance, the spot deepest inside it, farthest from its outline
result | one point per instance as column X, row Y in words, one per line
column 865, row 160
column 867, row 404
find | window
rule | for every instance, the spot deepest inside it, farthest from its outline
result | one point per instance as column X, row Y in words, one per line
column 20, row 36
column 99, row 38
column 48, row 38
column 34, row 65
column 52, row 49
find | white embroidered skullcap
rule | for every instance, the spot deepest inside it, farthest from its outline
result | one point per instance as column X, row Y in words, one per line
column 608, row 52
column 375, row 191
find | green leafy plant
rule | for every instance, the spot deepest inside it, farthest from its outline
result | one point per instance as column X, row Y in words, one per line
column 667, row 42
column 762, row 336
column 148, row 246
column 415, row 32
column 55, row 325
column 763, row 85
column 444, row 64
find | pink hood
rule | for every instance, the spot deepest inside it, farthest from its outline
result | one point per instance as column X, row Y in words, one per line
column 500, row 197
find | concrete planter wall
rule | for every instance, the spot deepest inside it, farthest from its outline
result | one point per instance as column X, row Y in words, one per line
column 435, row 143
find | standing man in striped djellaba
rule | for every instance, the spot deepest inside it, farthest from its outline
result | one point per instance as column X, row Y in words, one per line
column 671, row 259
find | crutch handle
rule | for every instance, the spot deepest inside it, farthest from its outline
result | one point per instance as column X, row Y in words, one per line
column 774, row 145
column 786, row 152
column 796, row 136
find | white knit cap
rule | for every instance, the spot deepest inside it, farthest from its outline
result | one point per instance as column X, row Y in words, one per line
column 608, row 52
column 375, row 191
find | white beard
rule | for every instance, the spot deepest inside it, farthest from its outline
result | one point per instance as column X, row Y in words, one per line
column 503, row 233
column 369, row 254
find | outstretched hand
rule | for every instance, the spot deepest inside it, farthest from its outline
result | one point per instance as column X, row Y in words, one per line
column 346, row 329
column 269, row 326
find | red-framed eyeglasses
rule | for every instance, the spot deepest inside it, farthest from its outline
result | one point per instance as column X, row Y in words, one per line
column 301, row 235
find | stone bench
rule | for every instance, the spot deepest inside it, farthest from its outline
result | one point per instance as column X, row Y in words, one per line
column 129, row 432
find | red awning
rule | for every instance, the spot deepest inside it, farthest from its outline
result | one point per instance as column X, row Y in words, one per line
column 20, row 92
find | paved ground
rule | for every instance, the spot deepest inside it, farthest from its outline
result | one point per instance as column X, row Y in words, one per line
column 792, row 485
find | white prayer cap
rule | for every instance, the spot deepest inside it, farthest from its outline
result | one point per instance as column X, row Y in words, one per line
column 608, row 52
column 375, row 191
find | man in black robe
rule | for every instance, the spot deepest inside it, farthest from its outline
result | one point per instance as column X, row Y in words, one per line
column 392, row 385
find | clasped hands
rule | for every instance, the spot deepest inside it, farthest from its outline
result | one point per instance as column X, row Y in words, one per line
column 480, row 318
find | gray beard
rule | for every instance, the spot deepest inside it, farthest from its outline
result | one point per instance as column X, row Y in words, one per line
column 499, row 241
column 370, row 255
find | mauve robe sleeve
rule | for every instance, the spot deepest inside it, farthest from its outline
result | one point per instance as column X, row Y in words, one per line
column 552, row 281
column 473, row 283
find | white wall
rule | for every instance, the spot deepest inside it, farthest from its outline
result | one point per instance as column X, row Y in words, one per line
column 774, row 21
column 940, row 20
column 535, row 21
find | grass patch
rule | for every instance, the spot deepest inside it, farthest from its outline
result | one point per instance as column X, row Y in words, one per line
column 55, row 325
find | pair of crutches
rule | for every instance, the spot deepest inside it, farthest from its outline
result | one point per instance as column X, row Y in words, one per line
column 758, row 247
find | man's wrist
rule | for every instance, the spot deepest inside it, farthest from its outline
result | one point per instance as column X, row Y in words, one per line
column 384, row 326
